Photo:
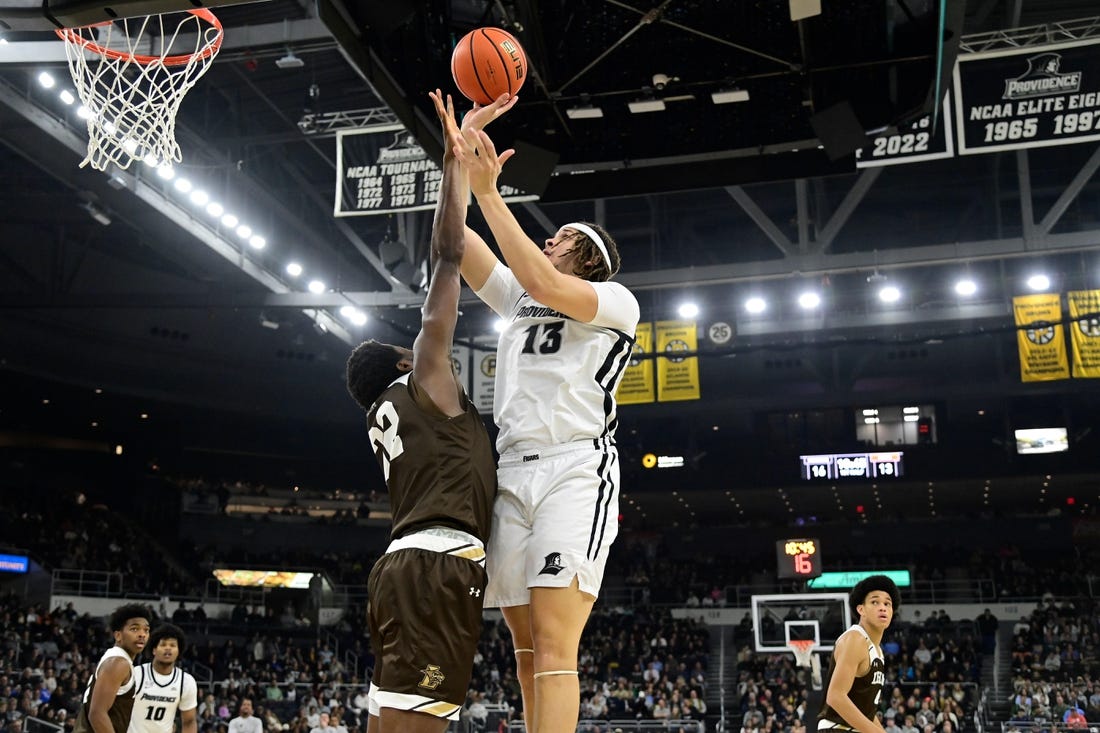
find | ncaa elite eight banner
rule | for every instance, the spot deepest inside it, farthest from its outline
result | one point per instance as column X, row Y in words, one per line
column 1039, row 336
column 1028, row 97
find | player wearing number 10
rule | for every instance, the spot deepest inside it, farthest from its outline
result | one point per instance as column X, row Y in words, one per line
column 162, row 688
column 566, row 343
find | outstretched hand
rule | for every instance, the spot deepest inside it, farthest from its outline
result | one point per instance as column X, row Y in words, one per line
column 479, row 117
column 446, row 114
column 479, row 157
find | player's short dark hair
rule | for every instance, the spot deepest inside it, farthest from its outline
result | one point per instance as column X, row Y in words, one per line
column 124, row 613
column 600, row 270
column 870, row 584
column 167, row 631
column 372, row 366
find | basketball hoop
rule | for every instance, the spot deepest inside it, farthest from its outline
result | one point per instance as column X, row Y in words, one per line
column 804, row 657
column 131, row 99
column 803, row 651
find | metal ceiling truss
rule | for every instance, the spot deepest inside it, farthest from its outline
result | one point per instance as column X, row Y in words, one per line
column 1036, row 35
column 178, row 215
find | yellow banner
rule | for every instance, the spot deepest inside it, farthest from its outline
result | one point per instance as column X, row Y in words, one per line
column 637, row 385
column 677, row 377
column 1084, row 329
column 1040, row 338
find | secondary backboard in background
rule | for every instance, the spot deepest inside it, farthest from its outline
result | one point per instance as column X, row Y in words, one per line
column 776, row 619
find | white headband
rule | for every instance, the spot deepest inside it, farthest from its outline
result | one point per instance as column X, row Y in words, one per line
column 596, row 239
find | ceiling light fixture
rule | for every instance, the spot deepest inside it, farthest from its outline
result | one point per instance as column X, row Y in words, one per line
column 586, row 112
column 290, row 61
column 641, row 106
column 729, row 96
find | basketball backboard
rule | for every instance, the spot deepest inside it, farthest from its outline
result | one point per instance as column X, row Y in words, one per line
column 778, row 619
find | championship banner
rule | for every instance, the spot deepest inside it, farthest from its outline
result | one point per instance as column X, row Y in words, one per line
column 1028, row 97
column 483, row 372
column 677, row 376
column 913, row 142
column 1084, row 315
column 1039, row 336
column 384, row 169
column 637, row 385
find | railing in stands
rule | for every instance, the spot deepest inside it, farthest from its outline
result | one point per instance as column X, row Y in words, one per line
column 90, row 583
column 626, row 726
column 1035, row 726
column 204, row 675
column 37, row 725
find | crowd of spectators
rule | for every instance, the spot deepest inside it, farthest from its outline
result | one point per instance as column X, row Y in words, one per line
column 635, row 664
column 933, row 668
column 1056, row 665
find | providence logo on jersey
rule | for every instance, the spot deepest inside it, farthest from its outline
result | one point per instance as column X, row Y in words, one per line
column 1043, row 77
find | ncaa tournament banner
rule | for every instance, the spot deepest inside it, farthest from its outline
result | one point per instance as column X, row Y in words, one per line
column 913, row 142
column 483, row 372
column 1084, row 328
column 677, row 376
column 637, row 385
column 1028, row 97
column 1039, row 336
column 384, row 169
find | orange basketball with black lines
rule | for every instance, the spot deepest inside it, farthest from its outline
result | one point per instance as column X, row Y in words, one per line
column 486, row 63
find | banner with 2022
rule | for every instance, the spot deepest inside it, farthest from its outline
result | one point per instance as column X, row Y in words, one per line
column 1028, row 97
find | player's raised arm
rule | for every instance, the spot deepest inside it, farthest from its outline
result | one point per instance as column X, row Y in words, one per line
column 432, row 349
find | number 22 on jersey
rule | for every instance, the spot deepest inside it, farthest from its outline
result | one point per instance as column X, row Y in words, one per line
column 384, row 437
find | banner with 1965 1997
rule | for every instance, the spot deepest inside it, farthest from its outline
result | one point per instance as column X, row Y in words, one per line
column 1028, row 97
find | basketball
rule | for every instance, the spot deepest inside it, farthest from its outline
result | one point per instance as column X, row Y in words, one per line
column 486, row 63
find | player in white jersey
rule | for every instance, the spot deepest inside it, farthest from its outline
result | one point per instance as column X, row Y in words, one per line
column 163, row 688
column 568, row 339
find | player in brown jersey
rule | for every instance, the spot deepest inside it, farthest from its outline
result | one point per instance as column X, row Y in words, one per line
column 857, row 669
column 426, row 592
column 109, row 695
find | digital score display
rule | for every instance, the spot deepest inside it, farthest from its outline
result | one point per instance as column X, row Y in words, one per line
column 830, row 466
column 798, row 558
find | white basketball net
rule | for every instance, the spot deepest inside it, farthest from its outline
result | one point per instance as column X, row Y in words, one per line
column 131, row 81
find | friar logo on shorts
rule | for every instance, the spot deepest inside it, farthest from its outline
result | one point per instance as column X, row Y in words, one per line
column 553, row 564
column 433, row 678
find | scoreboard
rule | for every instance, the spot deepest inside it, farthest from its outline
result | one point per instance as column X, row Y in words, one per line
column 831, row 466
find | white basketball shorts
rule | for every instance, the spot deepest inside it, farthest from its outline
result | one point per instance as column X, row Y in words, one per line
column 555, row 516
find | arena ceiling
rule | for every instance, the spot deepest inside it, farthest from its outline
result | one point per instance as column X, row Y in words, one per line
column 709, row 201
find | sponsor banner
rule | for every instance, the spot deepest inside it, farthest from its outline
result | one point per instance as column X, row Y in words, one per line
column 677, row 376
column 1028, row 97
column 483, row 373
column 1084, row 328
column 637, row 385
column 1039, row 336
column 384, row 169
column 916, row 141
column 460, row 362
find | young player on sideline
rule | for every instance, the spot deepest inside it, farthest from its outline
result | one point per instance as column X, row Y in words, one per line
column 857, row 670
column 109, row 695
column 163, row 688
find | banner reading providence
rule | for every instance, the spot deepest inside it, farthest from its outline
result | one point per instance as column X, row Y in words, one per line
column 1040, row 338
column 1028, row 97
column 384, row 169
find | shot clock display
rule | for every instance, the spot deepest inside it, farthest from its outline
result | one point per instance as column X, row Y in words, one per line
column 798, row 558
column 831, row 466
